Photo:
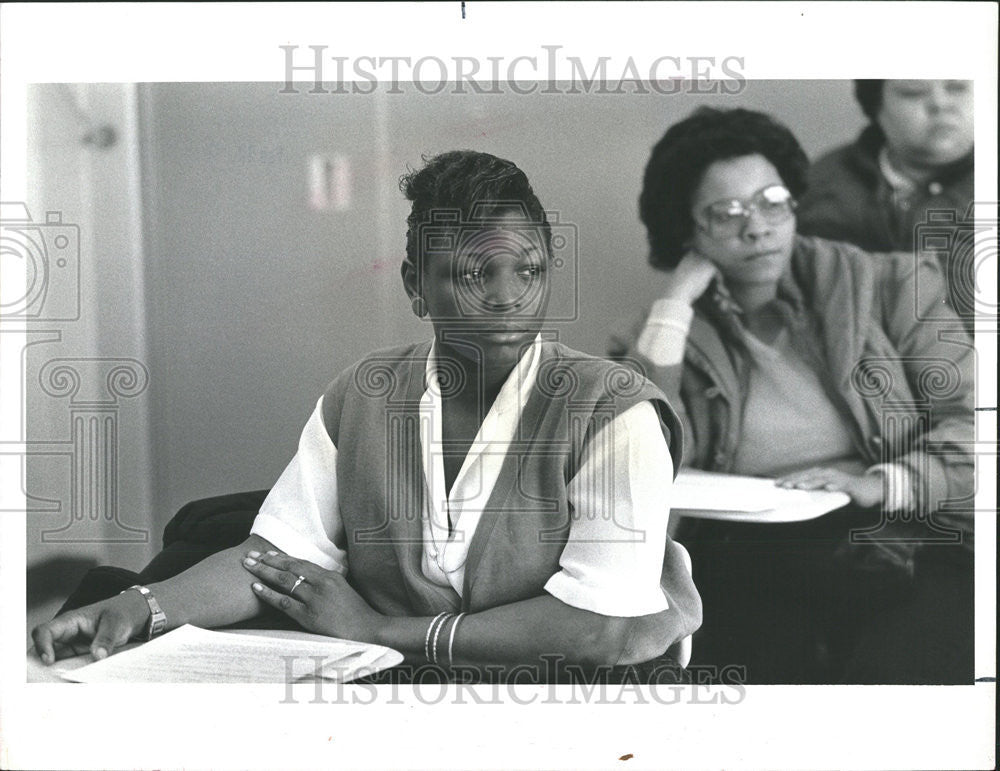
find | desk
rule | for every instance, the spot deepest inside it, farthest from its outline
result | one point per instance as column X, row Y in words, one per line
column 40, row 673
column 711, row 495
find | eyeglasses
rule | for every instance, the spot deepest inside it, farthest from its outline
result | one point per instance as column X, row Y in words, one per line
column 724, row 219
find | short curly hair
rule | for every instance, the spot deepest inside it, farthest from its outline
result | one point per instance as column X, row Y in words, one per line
column 679, row 161
column 868, row 93
column 473, row 183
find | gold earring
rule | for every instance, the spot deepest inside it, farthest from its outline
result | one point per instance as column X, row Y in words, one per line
column 419, row 307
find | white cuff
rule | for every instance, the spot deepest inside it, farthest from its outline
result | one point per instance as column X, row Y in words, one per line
column 294, row 544
column 897, row 482
column 663, row 338
column 622, row 601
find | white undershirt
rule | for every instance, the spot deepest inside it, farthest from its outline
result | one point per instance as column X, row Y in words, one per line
column 619, row 498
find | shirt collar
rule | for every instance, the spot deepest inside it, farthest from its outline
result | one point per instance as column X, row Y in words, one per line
column 901, row 185
column 788, row 292
column 516, row 388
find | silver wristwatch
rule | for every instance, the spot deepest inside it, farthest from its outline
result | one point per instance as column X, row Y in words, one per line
column 157, row 618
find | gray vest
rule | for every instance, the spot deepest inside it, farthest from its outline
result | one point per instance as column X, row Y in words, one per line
column 372, row 415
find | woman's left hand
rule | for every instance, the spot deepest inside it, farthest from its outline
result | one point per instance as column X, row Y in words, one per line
column 323, row 602
column 865, row 489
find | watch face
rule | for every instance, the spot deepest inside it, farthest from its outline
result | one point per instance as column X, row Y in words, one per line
column 156, row 624
column 157, row 618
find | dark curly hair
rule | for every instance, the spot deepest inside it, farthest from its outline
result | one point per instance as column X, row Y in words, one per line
column 679, row 161
column 868, row 94
column 478, row 185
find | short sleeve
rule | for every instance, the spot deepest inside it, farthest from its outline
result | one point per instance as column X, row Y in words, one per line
column 301, row 514
column 620, row 501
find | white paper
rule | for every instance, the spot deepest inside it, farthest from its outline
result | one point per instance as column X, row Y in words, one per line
column 189, row 654
column 710, row 495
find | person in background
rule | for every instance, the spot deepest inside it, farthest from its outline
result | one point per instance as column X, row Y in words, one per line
column 801, row 359
column 911, row 167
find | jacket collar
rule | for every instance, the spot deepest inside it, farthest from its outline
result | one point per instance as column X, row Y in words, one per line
column 842, row 307
column 864, row 156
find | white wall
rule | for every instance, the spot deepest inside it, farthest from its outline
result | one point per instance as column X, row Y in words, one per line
column 89, row 462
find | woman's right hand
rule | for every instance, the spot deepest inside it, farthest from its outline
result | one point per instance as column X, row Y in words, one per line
column 691, row 277
column 99, row 628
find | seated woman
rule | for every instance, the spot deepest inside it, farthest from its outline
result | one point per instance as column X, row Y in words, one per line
column 915, row 157
column 801, row 359
column 487, row 497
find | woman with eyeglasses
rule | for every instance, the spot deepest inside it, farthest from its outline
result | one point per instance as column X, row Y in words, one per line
column 805, row 360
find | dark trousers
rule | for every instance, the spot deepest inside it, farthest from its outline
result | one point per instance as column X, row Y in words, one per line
column 795, row 603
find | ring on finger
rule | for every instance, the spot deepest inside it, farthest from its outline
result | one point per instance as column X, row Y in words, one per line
column 298, row 580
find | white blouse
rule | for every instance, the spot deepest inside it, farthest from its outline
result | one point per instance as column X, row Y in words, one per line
column 619, row 501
